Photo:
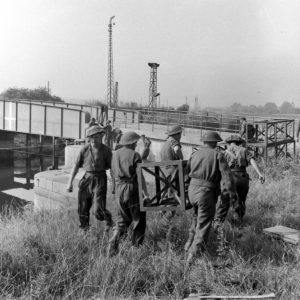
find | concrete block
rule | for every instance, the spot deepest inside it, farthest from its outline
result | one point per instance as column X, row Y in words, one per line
column 49, row 184
column 50, row 189
column 59, row 186
column 41, row 191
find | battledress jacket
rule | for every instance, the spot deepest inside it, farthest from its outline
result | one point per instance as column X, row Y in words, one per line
column 124, row 163
column 207, row 167
column 238, row 157
column 167, row 153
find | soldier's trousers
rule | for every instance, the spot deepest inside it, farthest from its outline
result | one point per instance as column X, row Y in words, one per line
column 241, row 182
column 204, row 201
column 128, row 213
column 93, row 189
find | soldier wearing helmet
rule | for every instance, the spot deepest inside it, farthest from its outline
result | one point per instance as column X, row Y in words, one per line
column 124, row 164
column 238, row 158
column 171, row 149
column 95, row 159
column 206, row 167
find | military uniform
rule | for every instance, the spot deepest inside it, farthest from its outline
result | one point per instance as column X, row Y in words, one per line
column 124, row 164
column 93, row 185
column 238, row 158
column 206, row 167
column 167, row 152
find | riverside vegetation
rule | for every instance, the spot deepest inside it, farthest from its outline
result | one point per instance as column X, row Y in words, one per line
column 44, row 256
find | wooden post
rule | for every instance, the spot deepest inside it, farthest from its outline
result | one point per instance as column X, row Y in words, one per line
column 54, row 158
column 28, row 161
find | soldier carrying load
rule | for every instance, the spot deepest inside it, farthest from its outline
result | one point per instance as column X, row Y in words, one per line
column 206, row 168
column 238, row 158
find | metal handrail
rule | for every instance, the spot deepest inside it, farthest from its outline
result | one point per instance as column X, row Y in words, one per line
column 14, row 113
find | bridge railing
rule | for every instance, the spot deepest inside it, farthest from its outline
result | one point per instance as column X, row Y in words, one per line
column 42, row 119
column 97, row 112
column 158, row 121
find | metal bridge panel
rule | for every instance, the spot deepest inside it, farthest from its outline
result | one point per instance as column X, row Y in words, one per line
column 71, row 123
column 37, row 119
column 53, row 118
column 10, row 116
column 23, row 117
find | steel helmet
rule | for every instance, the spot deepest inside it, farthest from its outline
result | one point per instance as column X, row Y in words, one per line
column 117, row 130
column 234, row 138
column 129, row 138
column 94, row 130
column 211, row 136
column 174, row 130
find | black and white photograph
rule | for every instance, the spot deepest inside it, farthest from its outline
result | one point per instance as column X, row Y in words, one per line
column 149, row 149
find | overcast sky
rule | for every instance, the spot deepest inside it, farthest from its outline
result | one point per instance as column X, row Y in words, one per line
column 222, row 51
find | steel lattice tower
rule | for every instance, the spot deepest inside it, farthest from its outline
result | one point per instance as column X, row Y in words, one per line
column 153, row 85
column 116, row 95
column 110, row 74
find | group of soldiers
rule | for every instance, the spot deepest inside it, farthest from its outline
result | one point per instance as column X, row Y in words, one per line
column 212, row 172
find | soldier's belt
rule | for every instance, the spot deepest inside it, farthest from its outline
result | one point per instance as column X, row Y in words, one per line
column 126, row 180
column 203, row 182
column 100, row 173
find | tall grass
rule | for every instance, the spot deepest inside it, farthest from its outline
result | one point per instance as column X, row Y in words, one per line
column 43, row 255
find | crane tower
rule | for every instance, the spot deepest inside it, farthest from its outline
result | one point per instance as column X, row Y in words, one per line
column 110, row 74
column 153, row 94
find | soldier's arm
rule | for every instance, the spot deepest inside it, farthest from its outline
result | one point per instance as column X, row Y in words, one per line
column 72, row 176
column 256, row 168
column 226, row 174
column 109, row 164
column 74, row 171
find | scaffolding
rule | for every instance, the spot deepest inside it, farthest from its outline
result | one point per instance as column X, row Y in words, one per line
column 276, row 135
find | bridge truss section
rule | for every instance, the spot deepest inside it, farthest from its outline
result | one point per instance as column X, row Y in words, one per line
column 273, row 138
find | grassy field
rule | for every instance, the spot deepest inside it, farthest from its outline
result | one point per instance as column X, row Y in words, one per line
column 44, row 256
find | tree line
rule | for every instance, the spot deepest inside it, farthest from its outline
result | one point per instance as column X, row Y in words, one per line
column 269, row 108
column 40, row 93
